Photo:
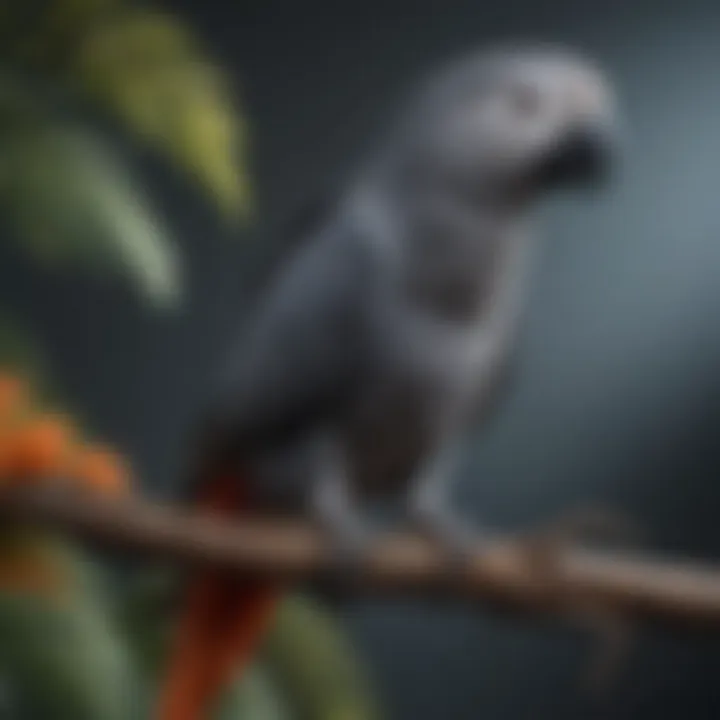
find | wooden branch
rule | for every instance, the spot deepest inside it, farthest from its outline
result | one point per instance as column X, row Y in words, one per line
column 665, row 590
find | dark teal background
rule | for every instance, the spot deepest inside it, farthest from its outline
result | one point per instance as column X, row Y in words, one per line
column 619, row 395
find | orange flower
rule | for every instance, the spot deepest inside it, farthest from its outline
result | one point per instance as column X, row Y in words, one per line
column 38, row 448
column 100, row 469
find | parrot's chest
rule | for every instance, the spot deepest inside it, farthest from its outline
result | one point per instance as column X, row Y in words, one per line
column 431, row 378
column 432, row 373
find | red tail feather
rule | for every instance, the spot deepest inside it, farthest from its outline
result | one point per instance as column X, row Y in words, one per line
column 220, row 628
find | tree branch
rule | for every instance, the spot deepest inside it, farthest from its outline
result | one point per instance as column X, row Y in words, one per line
column 664, row 590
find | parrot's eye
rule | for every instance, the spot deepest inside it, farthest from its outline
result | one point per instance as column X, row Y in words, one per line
column 525, row 100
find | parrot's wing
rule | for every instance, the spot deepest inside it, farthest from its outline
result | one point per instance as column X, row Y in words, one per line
column 288, row 237
column 301, row 353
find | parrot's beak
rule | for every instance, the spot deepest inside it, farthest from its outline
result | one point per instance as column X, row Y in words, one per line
column 583, row 156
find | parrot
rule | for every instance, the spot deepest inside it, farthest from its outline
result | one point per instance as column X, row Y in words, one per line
column 388, row 331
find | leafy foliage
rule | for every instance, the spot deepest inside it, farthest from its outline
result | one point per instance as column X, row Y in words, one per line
column 149, row 69
column 315, row 665
column 146, row 67
column 256, row 698
column 60, row 650
column 56, row 618
column 97, row 219
column 66, row 191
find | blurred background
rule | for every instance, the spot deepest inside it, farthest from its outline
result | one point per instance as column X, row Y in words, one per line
column 618, row 399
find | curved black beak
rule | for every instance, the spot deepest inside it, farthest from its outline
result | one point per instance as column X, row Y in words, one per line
column 584, row 156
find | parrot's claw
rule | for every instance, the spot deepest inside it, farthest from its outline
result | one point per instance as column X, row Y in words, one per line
column 543, row 549
column 349, row 541
column 348, row 536
column 457, row 538
column 545, row 545
column 349, row 547
column 348, row 551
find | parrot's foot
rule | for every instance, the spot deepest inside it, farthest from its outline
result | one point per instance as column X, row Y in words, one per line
column 457, row 538
column 348, row 537
column 543, row 550
column 544, row 546
column 348, row 547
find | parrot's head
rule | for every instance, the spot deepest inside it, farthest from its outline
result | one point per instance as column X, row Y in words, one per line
column 519, row 120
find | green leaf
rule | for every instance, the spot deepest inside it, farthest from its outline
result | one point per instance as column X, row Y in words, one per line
column 147, row 68
column 313, row 662
column 73, row 204
column 255, row 698
column 145, row 613
column 60, row 652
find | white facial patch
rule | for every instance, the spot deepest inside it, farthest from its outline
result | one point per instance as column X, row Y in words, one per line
column 588, row 96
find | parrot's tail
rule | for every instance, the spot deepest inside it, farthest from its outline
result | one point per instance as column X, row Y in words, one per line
column 222, row 623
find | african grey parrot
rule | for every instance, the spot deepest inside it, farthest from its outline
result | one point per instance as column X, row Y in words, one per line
column 389, row 331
